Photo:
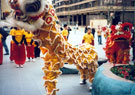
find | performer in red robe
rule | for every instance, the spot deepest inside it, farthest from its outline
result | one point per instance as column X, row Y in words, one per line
column 1, row 50
column 12, row 46
column 18, row 46
column 29, row 45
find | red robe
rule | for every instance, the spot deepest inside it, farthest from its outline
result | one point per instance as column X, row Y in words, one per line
column 30, row 51
column 19, row 54
column 1, row 53
column 18, row 47
column 29, row 46
column 12, row 50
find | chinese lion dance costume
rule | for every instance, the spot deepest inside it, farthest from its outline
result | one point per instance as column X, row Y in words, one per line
column 39, row 17
column 118, row 44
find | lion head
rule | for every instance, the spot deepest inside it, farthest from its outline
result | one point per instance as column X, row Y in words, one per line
column 121, row 32
column 28, row 14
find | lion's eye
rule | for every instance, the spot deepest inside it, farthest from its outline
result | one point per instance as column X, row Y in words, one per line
column 33, row 7
column 126, row 28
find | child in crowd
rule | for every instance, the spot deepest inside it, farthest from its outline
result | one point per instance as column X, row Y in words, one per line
column 36, row 49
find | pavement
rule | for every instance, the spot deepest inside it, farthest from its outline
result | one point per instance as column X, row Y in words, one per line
column 29, row 79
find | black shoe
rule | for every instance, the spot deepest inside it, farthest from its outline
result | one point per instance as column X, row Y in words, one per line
column 90, row 88
column 6, row 54
column 83, row 82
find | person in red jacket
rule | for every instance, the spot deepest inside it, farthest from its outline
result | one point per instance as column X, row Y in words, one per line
column 18, row 37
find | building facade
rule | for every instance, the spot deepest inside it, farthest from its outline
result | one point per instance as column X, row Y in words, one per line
column 82, row 12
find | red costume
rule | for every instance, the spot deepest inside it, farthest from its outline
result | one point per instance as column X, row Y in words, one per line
column 18, row 46
column 118, row 44
column 1, row 50
column 12, row 50
column 29, row 45
column 11, row 47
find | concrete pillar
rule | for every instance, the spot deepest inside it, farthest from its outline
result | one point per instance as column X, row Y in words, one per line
column 82, row 20
column 87, row 19
column 77, row 20
column 68, row 19
column 72, row 19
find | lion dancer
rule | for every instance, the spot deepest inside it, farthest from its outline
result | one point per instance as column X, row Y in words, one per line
column 29, row 45
column 85, row 72
column 11, row 45
column 41, row 20
column 118, row 44
column 1, row 50
column 18, row 37
column 88, row 37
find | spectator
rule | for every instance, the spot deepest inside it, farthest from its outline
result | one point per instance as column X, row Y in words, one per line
column 88, row 37
column 133, row 46
column 65, row 32
column 85, row 31
column 69, row 29
column 93, row 31
column 36, row 49
column 99, row 33
column 76, row 26
column 107, row 32
column 4, row 34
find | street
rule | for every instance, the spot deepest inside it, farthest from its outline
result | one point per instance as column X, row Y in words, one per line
column 28, row 80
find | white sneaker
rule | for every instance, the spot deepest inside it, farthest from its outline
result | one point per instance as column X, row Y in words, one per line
column 27, row 60
column 83, row 82
column 17, row 66
column 21, row 66
column 33, row 60
column 90, row 88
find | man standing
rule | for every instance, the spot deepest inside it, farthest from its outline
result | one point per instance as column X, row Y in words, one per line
column 65, row 32
column 93, row 31
column 5, row 34
column 99, row 33
column 133, row 46
column 88, row 37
